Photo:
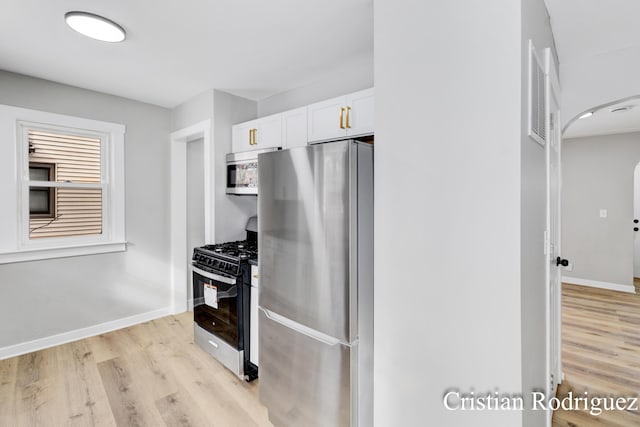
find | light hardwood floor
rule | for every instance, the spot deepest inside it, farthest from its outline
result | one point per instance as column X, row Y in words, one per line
column 150, row 374
column 601, row 352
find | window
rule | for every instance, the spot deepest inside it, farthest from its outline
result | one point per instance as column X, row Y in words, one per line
column 42, row 202
column 63, row 161
column 69, row 197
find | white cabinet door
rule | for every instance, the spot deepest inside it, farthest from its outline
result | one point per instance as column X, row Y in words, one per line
column 241, row 137
column 360, row 112
column 324, row 119
column 294, row 128
column 257, row 134
column 268, row 132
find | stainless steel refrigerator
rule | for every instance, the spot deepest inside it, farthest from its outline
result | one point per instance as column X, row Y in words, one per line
column 315, row 214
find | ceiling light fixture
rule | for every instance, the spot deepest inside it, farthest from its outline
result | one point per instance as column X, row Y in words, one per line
column 585, row 115
column 95, row 26
column 621, row 109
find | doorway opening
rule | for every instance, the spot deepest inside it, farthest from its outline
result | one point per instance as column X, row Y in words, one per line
column 600, row 307
column 184, row 227
column 636, row 228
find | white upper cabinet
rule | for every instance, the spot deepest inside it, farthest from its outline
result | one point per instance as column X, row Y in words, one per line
column 360, row 111
column 344, row 116
column 294, row 128
column 268, row 132
column 242, row 137
column 341, row 117
column 257, row 134
column 326, row 119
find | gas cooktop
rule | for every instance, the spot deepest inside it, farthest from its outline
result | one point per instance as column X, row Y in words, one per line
column 225, row 258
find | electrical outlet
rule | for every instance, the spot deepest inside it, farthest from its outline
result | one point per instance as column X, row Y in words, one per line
column 603, row 213
column 569, row 267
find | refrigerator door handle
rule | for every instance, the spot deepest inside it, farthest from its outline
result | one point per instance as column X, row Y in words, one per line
column 304, row 330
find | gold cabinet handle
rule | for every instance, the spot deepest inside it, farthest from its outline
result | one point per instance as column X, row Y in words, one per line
column 252, row 137
column 342, row 118
column 348, row 110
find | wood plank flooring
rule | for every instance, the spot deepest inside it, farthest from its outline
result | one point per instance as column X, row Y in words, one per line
column 600, row 351
column 153, row 374
column 150, row 374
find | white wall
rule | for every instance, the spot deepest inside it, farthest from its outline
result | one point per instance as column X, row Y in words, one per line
column 42, row 298
column 597, row 80
column 448, row 79
column 195, row 202
column 230, row 212
column 345, row 78
column 192, row 111
column 598, row 173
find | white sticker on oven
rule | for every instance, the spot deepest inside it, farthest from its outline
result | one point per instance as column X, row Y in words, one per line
column 211, row 295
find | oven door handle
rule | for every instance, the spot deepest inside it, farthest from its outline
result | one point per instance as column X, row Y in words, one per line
column 232, row 292
column 214, row 276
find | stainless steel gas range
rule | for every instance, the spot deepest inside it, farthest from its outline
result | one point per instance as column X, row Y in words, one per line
column 222, row 301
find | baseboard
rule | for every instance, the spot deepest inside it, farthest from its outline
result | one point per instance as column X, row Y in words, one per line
column 78, row 334
column 602, row 285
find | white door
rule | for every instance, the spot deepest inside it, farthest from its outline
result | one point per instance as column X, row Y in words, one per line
column 553, row 245
column 636, row 217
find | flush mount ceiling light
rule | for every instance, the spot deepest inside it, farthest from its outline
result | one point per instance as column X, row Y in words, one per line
column 621, row 109
column 585, row 115
column 95, row 26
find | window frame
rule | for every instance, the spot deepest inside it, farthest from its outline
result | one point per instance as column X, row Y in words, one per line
column 21, row 247
column 26, row 183
column 51, row 167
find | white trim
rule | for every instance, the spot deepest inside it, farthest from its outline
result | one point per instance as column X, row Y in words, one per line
column 598, row 284
column 43, row 117
column 78, row 334
column 17, row 246
column 179, row 259
column 62, row 252
column 553, row 245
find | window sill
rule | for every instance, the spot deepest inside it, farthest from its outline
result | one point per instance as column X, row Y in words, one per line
column 62, row 252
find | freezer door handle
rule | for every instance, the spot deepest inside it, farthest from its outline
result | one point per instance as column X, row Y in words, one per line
column 304, row 330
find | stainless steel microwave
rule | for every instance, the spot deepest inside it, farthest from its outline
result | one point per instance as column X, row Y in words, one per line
column 242, row 171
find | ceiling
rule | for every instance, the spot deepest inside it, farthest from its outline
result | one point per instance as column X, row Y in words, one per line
column 589, row 28
column 604, row 121
column 177, row 49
